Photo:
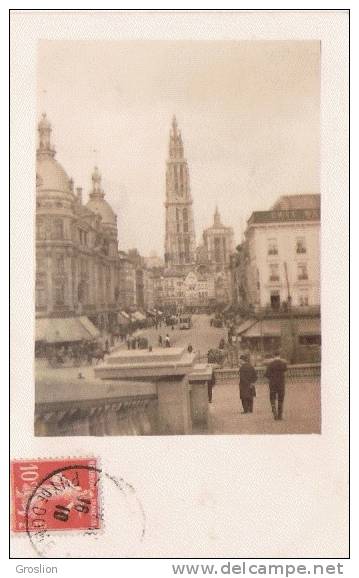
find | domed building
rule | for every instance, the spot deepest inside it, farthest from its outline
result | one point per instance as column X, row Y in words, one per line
column 77, row 265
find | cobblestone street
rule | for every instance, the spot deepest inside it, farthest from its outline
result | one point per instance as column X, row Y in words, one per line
column 301, row 411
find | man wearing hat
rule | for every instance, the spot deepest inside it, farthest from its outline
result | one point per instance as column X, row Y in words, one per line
column 247, row 378
column 276, row 377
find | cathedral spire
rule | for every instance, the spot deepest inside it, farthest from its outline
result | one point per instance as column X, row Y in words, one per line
column 180, row 242
column 217, row 218
column 44, row 130
column 97, row 192
column 176, row 144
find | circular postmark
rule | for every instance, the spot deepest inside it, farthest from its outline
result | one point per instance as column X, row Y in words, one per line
column 79, row 510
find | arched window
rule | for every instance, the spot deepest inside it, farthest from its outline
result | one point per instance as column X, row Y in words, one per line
column 185, row 220
column 59, row 290
column 58, row 229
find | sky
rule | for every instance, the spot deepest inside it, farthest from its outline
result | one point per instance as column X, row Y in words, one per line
column 249, row 113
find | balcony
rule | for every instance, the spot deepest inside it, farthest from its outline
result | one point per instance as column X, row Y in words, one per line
column 301, row 250
column 272, row 251
column 303, row 277
column 274, row 279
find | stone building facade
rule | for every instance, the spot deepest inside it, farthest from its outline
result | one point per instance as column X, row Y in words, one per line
column 279, row 261
column 77, row 265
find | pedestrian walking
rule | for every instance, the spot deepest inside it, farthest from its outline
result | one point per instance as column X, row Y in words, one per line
column 247, row 378
column 160, row 341
column 210, row 386
column 167, row 341
column 275, row 373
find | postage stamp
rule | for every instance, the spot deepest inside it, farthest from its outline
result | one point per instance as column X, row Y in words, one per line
column 55, row 495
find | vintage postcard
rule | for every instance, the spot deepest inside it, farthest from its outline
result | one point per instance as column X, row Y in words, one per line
column 176, row 217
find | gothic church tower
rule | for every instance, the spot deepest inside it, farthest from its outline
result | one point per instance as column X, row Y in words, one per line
column 180, row 242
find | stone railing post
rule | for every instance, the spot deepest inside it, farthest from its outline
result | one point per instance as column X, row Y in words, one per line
column 168, row 369
column 200, row 379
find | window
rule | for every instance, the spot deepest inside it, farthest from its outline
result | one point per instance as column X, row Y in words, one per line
column 217, row 250
column 60, row 264
column 274, row 272
column 58, row 229
column 59, row 292
column 272, row 247
column 40, row 230
column 310, row 339
column 185, row 220
column 176, row 179
column 275, row 300
column 301, row 245
column 303, row 299
column 100, row 284
column 186, row 250
column 302, row 272
column 83, row 237
column 181, row 179
column 40, row 293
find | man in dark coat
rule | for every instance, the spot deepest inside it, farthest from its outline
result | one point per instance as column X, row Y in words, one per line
column 247, row 378
column 276, row 377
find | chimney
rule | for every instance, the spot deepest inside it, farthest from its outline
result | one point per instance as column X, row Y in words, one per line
column 79, row 194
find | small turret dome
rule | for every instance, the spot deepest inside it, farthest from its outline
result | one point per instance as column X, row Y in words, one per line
column 50, row 176
column 97, row 203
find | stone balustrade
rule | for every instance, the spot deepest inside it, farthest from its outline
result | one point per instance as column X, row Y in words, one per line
column 70, row 407
column 298, row 372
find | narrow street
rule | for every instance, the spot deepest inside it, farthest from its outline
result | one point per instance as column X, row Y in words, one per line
column 202, row 336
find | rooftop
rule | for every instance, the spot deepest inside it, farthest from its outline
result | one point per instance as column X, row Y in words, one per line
column 304, row 201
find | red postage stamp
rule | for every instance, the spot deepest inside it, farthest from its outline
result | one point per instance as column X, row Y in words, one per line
column 55, row 495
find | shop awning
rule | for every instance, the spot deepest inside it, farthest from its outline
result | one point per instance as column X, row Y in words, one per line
column 121, row 319
column 245, row 325
column 90, row 327
column 265, row 328
column 309, row 326
column 65, row 330
column 139, row 316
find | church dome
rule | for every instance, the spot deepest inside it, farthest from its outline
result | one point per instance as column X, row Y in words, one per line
column 102, row 208
column 50, row 176
column 97, row 203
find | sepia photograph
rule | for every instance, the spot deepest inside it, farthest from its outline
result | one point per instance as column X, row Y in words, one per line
column 179, row 273
column 177, row 238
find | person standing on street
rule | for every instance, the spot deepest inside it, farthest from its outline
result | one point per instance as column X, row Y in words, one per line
column 167, row 341
column 275, row 373
column 160, row 341
column 247, row 378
